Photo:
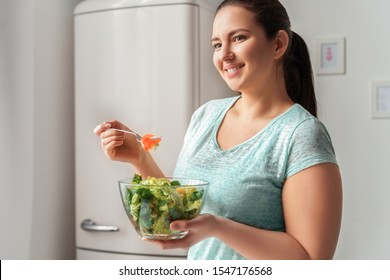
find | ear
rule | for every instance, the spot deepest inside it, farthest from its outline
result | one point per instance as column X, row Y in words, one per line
column 281, row 43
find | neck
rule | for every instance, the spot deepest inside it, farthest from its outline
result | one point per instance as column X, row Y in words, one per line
column 265, row 103
column 266, row 98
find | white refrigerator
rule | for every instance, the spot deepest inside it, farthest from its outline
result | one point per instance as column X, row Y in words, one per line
column 149, row 65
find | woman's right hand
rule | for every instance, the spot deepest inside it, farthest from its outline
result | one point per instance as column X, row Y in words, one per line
column 119, row 146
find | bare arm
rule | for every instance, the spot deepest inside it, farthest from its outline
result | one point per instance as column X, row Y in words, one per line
column 312, row 202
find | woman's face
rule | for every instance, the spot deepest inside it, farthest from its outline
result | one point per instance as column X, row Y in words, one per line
column 243, row 55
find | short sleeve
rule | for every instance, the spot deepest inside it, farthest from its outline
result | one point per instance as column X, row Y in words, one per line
column 310, row 144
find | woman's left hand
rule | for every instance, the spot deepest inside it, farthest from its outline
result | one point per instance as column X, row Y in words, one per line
column 199, row 228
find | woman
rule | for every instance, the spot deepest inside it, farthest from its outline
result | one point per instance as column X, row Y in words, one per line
column 275, row 187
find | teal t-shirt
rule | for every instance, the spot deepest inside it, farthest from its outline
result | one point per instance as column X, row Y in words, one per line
column 246, row 180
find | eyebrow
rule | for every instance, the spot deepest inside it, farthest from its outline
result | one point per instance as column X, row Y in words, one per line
column 230, row 33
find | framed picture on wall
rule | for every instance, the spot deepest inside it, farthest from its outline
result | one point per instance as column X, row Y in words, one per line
column 380, row 99
column 330, row 55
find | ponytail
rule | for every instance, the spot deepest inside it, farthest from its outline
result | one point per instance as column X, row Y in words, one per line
column 298, row 75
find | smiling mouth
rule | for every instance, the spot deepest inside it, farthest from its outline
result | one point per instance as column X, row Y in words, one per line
column 231, row 70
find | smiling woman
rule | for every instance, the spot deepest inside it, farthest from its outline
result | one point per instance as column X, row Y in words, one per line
column 275, row 187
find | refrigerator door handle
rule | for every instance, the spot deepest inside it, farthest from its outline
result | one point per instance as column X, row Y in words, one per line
column 89, row 225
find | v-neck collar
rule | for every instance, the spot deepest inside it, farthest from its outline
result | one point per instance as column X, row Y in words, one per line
column 218, row 124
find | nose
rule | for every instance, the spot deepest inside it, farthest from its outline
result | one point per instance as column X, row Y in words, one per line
column 226, row 53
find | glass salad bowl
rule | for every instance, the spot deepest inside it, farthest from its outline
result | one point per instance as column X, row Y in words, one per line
column 152, row 204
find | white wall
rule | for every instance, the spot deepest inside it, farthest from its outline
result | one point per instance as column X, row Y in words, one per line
column 37, row 138
column 362, row 144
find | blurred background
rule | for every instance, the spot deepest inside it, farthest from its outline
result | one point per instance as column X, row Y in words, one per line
column 37, row 120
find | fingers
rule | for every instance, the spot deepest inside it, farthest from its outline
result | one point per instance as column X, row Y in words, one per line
column 197, row 222
column 112, row 142
column 101, row 128
column 198, row 229
column 181, row 225
column 183, row 243
column 111, row 139
column 109, row 124
column 117, row 145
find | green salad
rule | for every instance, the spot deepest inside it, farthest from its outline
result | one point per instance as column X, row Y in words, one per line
column 154, row 203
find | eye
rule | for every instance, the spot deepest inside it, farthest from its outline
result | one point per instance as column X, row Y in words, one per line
column 217, row 46
column 239, row 38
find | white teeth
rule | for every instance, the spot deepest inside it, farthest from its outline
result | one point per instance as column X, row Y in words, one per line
column 233, row 69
